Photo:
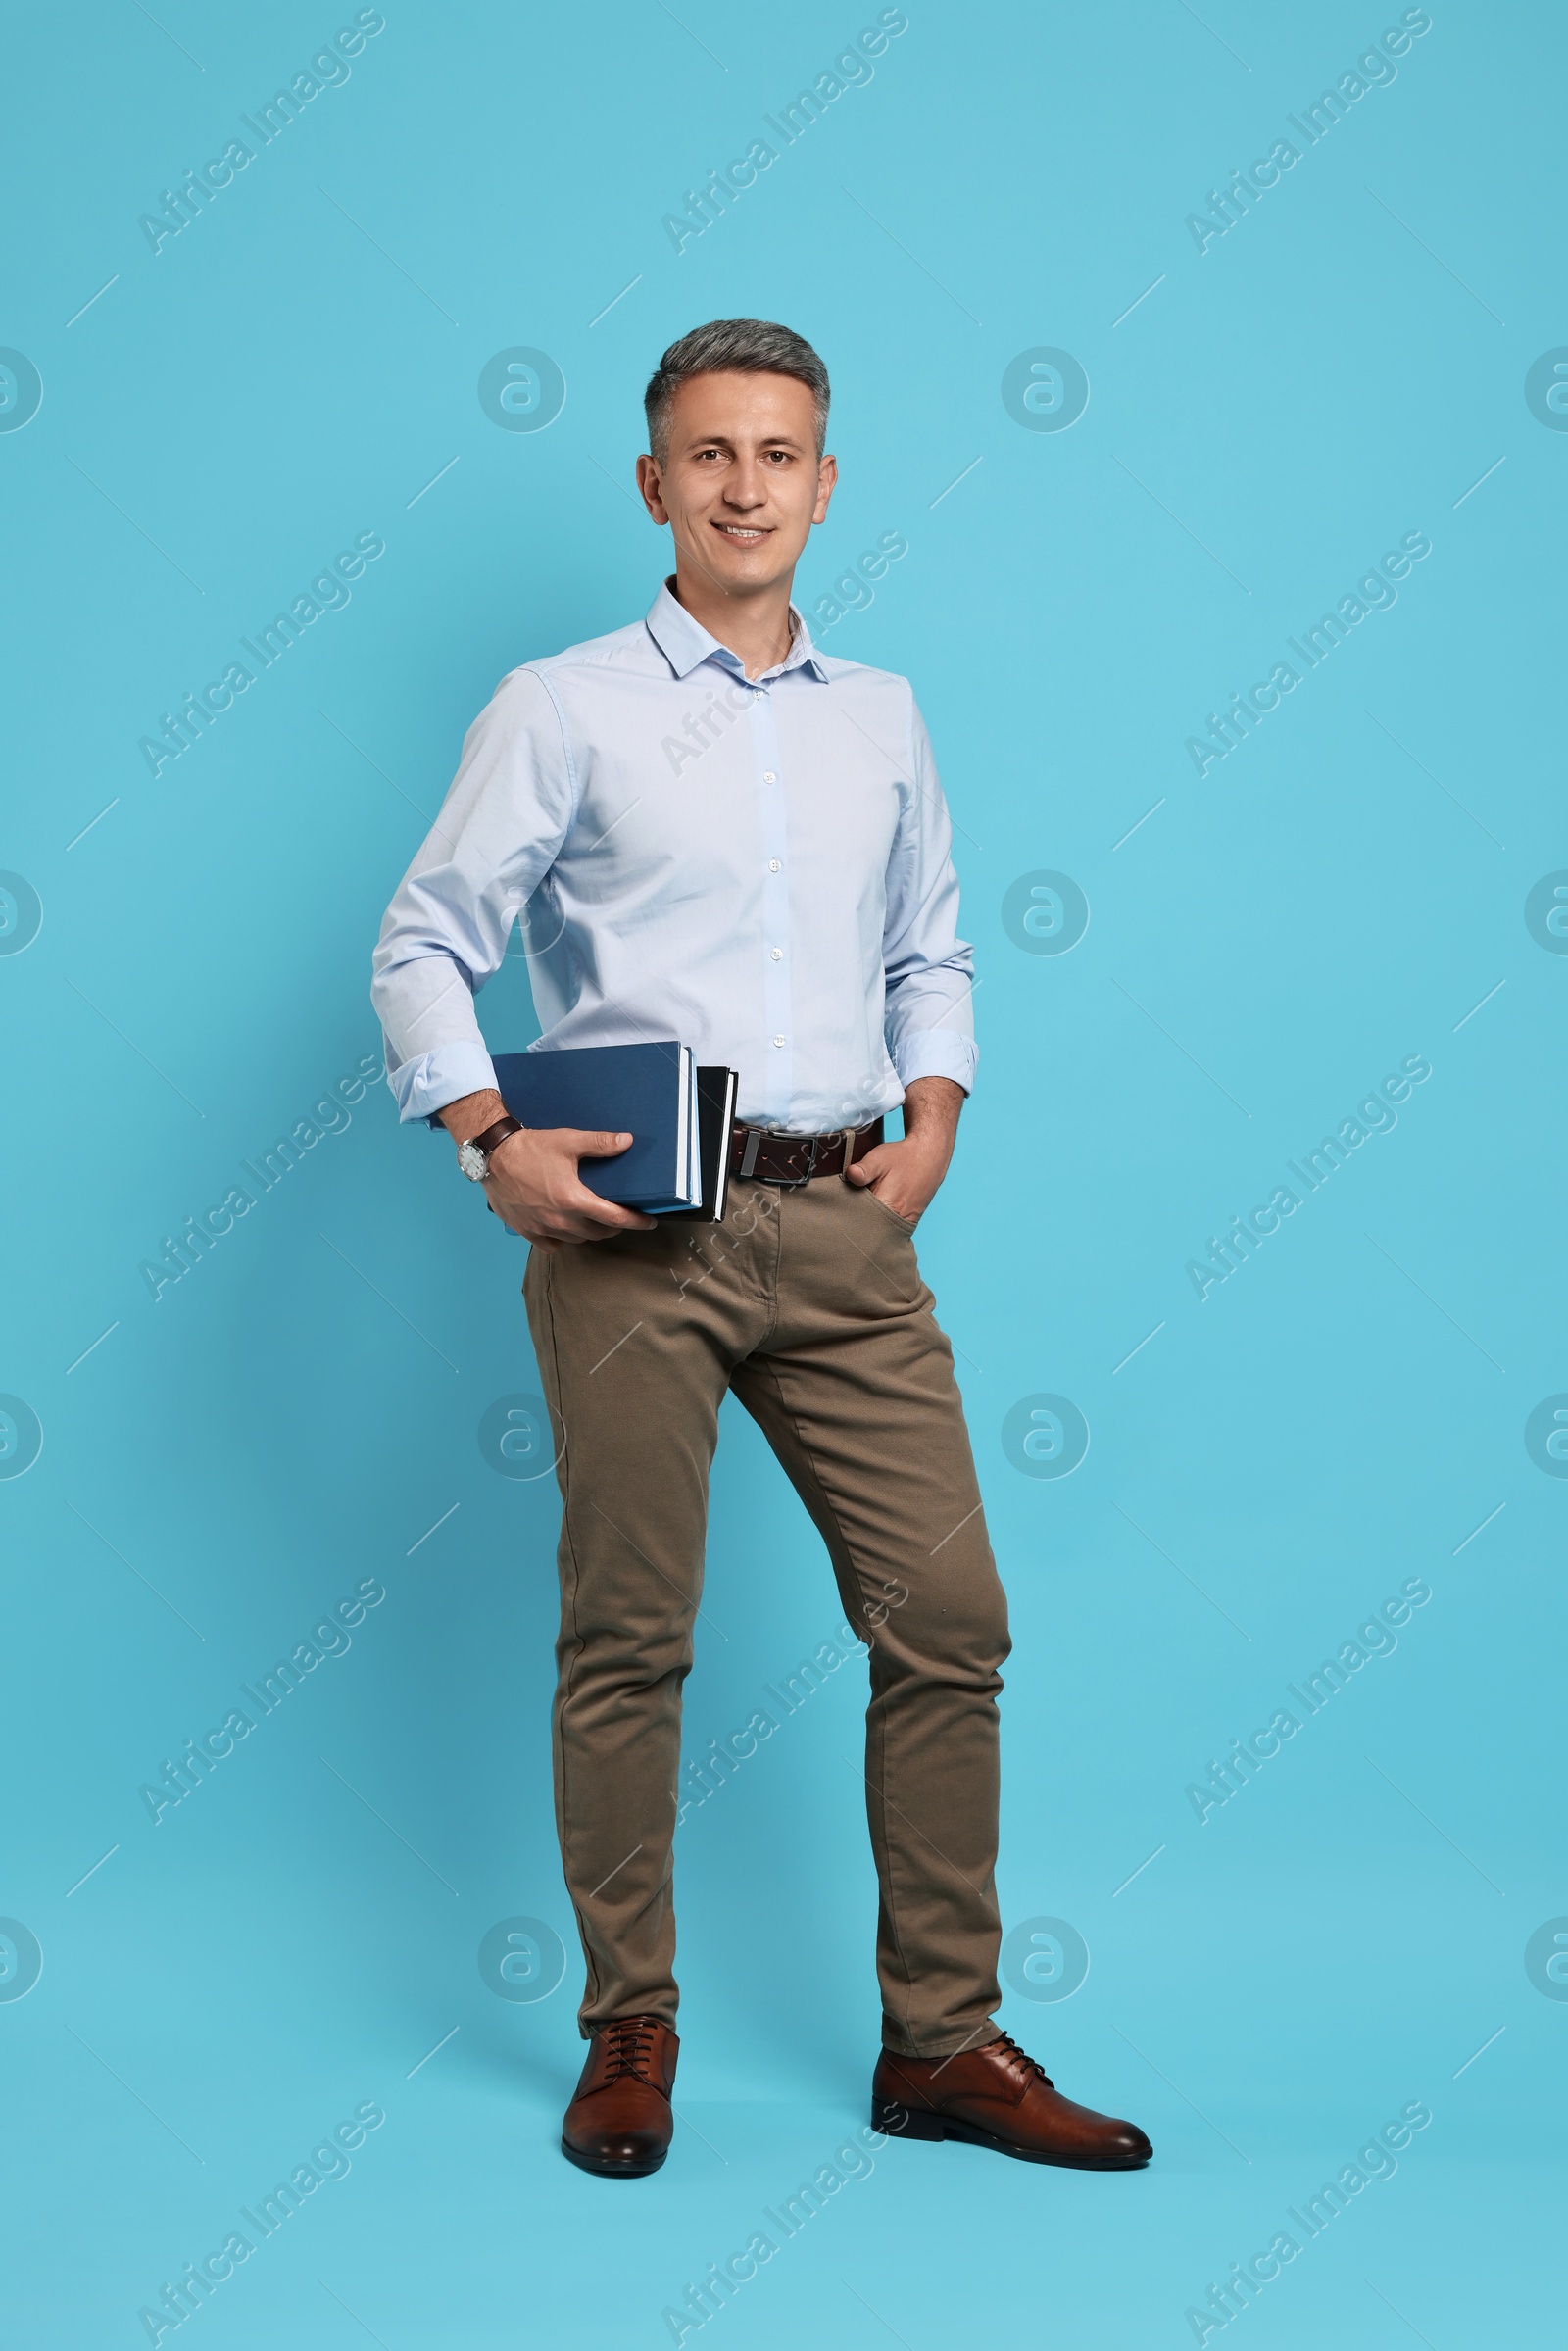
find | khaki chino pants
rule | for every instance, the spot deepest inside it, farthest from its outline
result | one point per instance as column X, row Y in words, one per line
column 808, row 1303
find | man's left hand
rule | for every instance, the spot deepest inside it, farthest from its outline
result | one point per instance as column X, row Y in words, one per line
column 906, row 1175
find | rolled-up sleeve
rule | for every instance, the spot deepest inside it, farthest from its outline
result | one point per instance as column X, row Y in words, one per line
column 928, row 1018
column 502, row 823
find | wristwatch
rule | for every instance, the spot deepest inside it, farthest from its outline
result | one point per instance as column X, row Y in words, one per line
column 473, row 1156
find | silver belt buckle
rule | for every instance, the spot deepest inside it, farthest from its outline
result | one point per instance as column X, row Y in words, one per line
column 753, row 1144
column 800, row 1181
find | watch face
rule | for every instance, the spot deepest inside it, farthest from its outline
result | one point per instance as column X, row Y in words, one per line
column 473, row 1161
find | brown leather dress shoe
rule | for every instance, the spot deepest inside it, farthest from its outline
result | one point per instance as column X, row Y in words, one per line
column 998, row 2097
column 619, row 2122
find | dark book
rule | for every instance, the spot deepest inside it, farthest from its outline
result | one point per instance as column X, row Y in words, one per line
column 650, row 1091
column 715, row 1116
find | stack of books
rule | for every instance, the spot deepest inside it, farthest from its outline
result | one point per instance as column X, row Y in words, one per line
column 678, row 1115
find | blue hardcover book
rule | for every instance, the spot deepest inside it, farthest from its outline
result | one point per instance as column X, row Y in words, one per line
column 647, row 1090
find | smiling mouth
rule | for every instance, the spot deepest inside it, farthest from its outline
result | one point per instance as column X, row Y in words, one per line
column 744, row 534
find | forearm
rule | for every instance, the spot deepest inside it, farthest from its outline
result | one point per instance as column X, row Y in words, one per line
column 472, row 1114
column 424, row 973
column 435, row 1052
column 929, row 970
column 928, row 1025
column 931, row 1108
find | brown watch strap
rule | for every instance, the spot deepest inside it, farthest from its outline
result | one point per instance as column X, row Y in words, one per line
column 494, row 1136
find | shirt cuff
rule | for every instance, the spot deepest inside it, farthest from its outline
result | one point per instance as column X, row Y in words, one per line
column 425, row 1084
column 936, row 1053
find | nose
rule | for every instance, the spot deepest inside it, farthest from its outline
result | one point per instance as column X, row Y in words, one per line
column 745, row 487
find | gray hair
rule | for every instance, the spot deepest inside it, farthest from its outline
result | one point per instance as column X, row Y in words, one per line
column 748, row 346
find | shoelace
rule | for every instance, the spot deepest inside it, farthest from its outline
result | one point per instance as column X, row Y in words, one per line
column 628, row 2047
column 1019, row 2061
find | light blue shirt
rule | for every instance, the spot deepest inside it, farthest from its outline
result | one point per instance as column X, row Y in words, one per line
column 759, row 869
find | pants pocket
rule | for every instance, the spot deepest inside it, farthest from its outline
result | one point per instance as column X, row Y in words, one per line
column 903, row 1224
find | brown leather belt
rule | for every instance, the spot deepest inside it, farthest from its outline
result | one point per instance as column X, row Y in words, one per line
column 791, row 1161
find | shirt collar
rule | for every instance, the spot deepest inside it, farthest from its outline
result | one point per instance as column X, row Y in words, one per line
column 685, row 643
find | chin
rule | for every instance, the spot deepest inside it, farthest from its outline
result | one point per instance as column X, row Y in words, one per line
column 746, row 576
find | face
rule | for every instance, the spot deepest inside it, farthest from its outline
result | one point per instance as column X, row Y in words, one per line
column 741, row 483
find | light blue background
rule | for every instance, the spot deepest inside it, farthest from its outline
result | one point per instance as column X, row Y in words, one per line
column 297, row 1413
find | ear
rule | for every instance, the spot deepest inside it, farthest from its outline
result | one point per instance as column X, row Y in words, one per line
column 649, row 482
column 827, row 474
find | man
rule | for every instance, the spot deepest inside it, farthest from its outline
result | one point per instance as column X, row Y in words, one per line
column 732, row 840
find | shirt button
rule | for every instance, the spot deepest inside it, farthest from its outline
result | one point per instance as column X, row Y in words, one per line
column 778, row 1041
column 768, row 777
column 778, row 955
column 772, row 865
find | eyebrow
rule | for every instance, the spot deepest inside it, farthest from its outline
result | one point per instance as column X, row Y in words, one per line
column 720, row 440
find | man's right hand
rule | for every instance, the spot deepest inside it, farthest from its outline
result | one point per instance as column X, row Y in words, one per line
column 534, row 1185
